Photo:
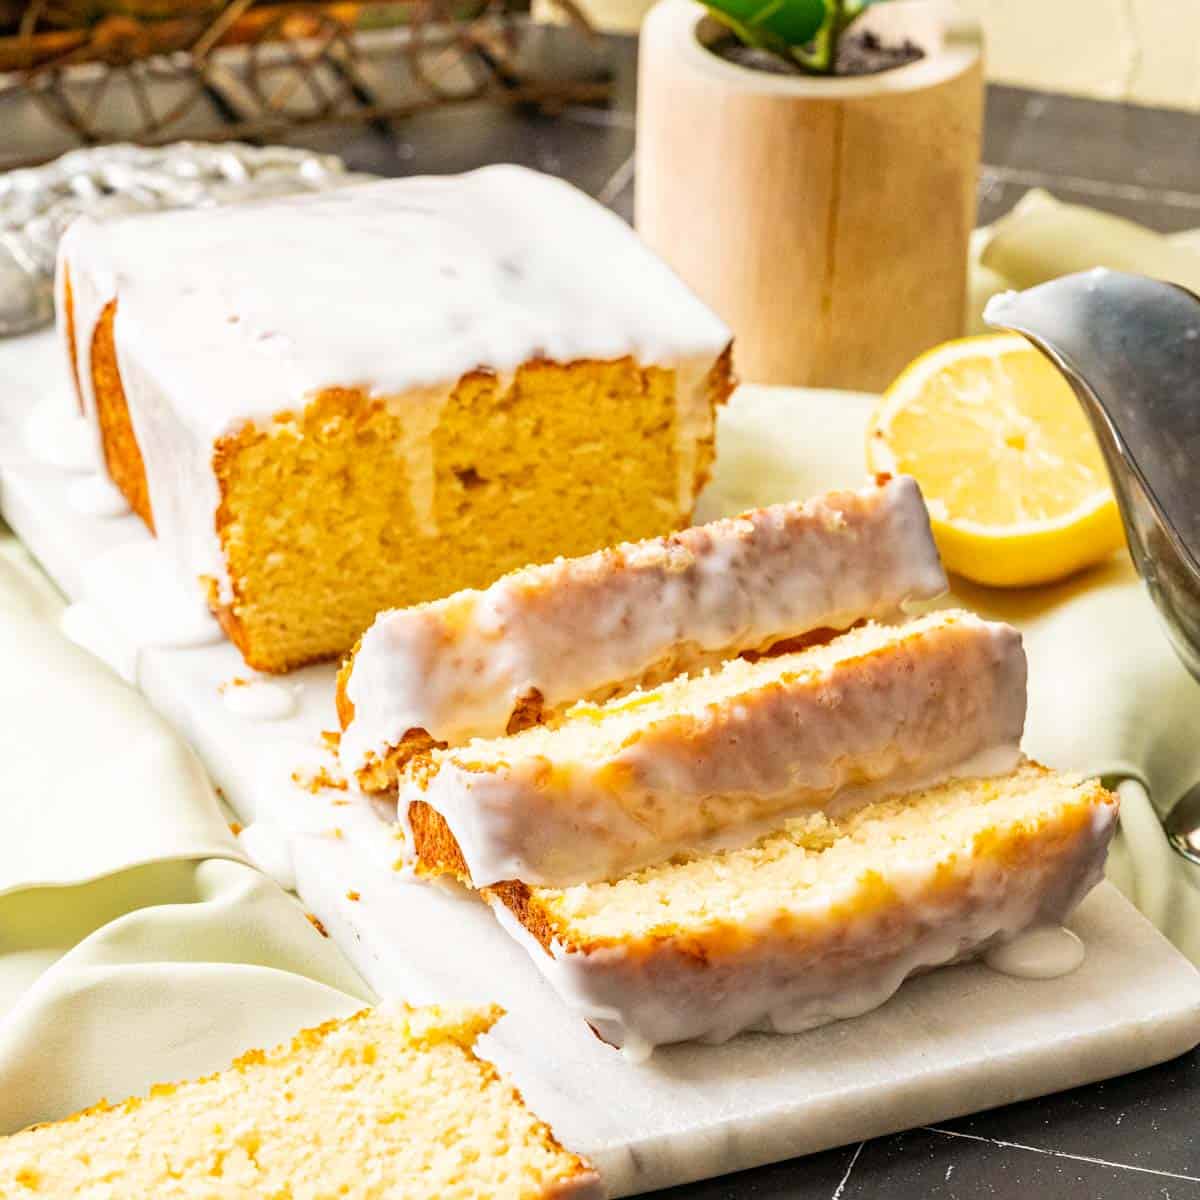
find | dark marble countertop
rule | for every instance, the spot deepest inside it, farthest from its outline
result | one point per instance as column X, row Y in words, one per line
column 1132, row 1138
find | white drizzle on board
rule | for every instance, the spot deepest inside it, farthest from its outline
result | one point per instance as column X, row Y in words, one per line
column 258, row 699
column 1044, row 952
column 57, row 436
column 136, row 584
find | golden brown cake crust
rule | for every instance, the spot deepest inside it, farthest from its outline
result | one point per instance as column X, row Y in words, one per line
column 122, row 455
column 435, row 849
column 68, row 301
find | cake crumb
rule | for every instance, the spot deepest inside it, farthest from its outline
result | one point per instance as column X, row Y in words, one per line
column 236, row 827
column 321, row 779
column 236, row 682
column 317, row 924
column 336, row 833
column 339, row 801
column 353, row 895
column 331, row 738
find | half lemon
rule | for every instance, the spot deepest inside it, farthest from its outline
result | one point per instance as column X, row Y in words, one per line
column 1017, row 489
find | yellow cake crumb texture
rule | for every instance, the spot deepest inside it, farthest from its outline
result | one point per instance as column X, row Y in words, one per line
column 317, row 513
column 387, row 1104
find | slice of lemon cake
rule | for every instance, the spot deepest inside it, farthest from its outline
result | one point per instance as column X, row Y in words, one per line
column 821, row 920
column 480, row 664
column 721, row 756
column 389, row 1103
column 330, row 405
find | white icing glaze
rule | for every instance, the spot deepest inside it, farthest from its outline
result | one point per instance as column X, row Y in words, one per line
column 897, row 708
column 399, row 287
column 269, row 848
column 1045, row 952
column 95, row 496
column 597, row 625
column 84, row 625
column 258, row 699
column 147, row 602
column 55, row 434
column 769, row 984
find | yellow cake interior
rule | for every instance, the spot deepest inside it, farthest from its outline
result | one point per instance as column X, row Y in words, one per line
column 386, row 1104
column 818, row 864
column 317, row 518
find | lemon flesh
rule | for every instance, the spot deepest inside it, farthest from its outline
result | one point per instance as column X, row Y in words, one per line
column 1016, row 485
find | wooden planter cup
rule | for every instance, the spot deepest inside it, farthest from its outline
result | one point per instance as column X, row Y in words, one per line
column 825, row 219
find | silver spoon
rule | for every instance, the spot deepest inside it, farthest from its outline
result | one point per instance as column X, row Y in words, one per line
column 1130, row 348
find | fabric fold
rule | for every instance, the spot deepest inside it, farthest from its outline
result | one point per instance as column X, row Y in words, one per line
column 136, row 943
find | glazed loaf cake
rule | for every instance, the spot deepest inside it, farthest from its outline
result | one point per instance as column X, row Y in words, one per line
column 821, row 920
column 389, row 1103
column 331, row 405
column 480, row 664
column 721, row 756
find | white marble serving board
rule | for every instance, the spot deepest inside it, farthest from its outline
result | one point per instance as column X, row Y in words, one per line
column 951, row 1042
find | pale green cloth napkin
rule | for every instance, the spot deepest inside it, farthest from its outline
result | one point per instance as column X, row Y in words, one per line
column 136, row 945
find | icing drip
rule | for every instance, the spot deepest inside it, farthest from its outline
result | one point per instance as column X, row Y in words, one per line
column 258, row 699
column 636, row 1051
column 269, row 849
column 136, row 586
column 59, row 437
column 421, row 412
column 1045, row 952
column 694, row 423
column 95, row 496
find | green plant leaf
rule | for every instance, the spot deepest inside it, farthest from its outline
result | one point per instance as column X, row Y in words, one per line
column 772, row 24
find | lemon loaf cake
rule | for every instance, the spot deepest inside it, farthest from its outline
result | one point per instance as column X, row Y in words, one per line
column 389, row 1103
column 330, row 405
column 821, row 920
column 721, row 756
column 480, row 664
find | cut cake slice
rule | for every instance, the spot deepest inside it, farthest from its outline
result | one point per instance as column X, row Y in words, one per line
column 391, row 1102
column 720, row 757
column 480, row 664
column 819, row 921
